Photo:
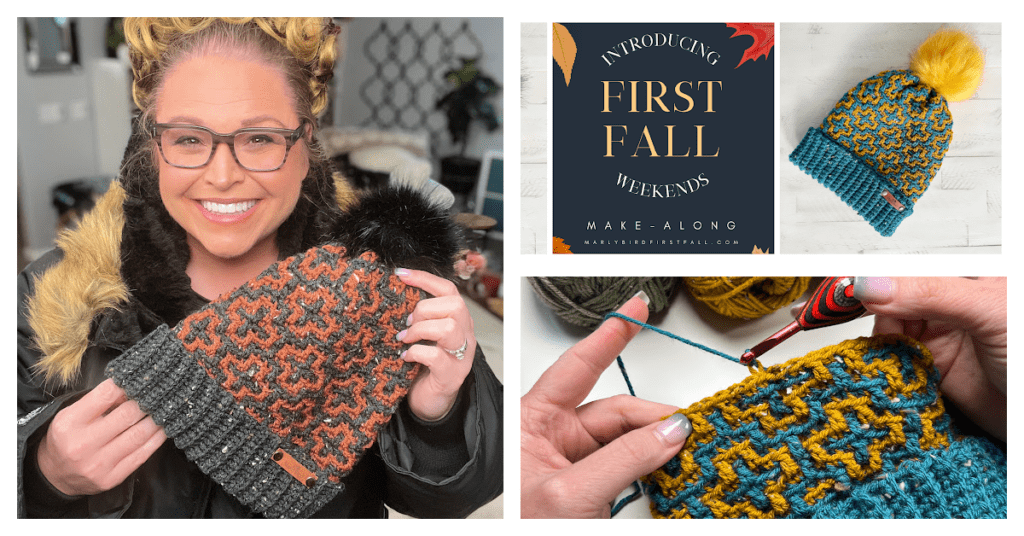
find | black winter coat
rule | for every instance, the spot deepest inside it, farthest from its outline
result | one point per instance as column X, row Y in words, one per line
column 445, row 469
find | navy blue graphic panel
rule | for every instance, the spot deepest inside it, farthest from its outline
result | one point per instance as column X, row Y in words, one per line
column 663, row 141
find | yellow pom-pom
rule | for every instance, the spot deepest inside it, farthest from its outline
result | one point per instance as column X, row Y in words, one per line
column 951, row 63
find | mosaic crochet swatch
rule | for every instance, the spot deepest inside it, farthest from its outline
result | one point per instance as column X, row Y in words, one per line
column 897, row 125
column 856, row 430
column 277, row 389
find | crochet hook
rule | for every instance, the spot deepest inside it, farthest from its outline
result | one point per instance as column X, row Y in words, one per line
column 832, row 303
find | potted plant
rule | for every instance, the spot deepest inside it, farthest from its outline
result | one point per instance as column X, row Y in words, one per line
column 466, row 102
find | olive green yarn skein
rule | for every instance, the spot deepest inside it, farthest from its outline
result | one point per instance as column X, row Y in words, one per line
column 584, row 301
column 746, row 297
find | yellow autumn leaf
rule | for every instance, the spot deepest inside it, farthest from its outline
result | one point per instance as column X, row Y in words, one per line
column 563, row 48
column 757, row 251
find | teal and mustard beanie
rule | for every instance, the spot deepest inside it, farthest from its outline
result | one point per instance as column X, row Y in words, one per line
column 854, row 430
column 882, row 144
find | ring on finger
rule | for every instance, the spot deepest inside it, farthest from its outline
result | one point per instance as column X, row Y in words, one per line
column 459, row 353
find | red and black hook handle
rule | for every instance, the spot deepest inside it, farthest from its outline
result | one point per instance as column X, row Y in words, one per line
column 832, row 303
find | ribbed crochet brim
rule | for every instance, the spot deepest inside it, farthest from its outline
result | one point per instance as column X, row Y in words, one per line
column 856, row 183
column 965, row 481
column 213, row 430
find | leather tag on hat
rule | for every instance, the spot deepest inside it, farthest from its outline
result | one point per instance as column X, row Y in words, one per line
column 294, row 468
column 887, row 195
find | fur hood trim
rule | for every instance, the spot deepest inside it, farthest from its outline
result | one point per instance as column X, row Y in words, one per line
column 86, row 281
column 69, row 296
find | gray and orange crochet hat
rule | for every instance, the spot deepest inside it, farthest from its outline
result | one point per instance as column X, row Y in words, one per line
column 884, row 141
column 276, row 389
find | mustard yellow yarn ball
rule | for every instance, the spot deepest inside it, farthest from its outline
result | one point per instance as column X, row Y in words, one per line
column 951, row 63
column 746, row 297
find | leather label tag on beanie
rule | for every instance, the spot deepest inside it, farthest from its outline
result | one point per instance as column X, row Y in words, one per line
column 294, row 468
column 892, row 200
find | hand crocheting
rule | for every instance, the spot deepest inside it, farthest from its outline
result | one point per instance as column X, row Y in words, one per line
column 963, row 323
column 446, row 321
column 576, row 459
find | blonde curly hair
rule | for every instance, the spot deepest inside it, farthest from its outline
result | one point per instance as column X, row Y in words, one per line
column 304, row 48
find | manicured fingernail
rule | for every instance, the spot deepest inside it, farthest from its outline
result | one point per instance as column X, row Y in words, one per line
column 674, row 429
column 873, row 289
column 401, row 272
column 402, row 355
column 408, row 321
column 643, row 296
column 401, row 334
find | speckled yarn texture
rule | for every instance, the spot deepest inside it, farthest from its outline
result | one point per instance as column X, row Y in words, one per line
column 303, row 358
column 855, row 430
column 584, row 301
column 746, row 297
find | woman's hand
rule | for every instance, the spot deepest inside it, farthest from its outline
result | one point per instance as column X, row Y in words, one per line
column 575, row 460
column 95, row 443
column 963, row 324
column 444, row 322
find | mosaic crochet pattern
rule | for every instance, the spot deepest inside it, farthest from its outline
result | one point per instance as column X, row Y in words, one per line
column 853, row 430
column 897, row 125
column 330, row 327
column 303, row 358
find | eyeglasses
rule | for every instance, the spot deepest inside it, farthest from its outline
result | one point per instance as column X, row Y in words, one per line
column 255, row 149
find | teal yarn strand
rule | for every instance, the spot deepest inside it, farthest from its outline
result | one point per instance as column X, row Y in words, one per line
column 637, row 493
column 627, row 499
column 636, row 485
column 622, row 367
column 669, row 334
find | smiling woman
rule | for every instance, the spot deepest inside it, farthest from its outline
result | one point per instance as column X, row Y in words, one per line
column 246, row 303
column 224, row 93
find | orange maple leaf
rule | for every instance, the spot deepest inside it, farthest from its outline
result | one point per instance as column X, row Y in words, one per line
column 560, row 246
column 764, row 38
column 757, row 251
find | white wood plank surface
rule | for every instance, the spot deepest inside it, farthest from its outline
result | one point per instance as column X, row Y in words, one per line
column 534, row 148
